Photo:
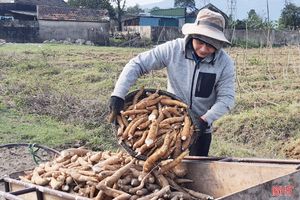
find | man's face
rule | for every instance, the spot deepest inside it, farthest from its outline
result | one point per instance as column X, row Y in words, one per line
column 202, row 49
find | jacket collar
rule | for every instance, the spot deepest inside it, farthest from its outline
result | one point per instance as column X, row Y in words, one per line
column 189, row 52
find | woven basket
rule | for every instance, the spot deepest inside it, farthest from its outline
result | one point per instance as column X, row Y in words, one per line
column 128, row 101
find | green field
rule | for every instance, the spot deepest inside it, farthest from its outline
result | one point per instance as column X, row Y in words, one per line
column 57, row 95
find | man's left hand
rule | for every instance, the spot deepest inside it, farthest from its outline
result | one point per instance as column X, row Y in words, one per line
column 201, row 126
column 115, row 106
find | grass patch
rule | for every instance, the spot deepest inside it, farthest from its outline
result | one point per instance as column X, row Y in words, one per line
column 57, row 95
column 19, row 127
column 262, row 130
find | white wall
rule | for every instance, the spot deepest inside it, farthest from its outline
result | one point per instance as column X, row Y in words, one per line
column 61, row 30
column 145, row 31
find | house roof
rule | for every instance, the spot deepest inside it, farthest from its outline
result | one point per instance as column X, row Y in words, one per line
column 147, row 17
column 71, row 14
column 216, row 9
column 171, row 12
column 42, row 2
column 23, row 12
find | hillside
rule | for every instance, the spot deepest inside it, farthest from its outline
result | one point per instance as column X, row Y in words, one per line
column 57, row 95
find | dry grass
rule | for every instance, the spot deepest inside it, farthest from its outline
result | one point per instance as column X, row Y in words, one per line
column 72, row 84
column 266, row 116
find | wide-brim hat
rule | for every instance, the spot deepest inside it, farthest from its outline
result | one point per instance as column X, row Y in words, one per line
column 208, row 23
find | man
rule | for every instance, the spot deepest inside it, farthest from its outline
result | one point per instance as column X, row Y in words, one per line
column 199, row 72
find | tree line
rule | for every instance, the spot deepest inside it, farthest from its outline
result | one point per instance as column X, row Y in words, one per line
column 289, row 20
column 117, row 9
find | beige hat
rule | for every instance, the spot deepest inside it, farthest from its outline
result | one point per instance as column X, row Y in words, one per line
column 208, row 23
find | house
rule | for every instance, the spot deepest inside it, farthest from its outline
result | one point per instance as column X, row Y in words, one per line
column 159, row 25
column 173, row 17
column 39, row 20
column 175, row 13
column 214, row 8
column 64, row 22
column 163, row 24
column 25, row 9
column 151, row 21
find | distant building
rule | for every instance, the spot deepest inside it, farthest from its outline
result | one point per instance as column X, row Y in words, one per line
column 25, row 9
column 179, row 14
column 159, row 25
column 173, row 17
column 39, row 20
column 63, row 22
column 151, row 21
column 163, row 24
column 214, row 8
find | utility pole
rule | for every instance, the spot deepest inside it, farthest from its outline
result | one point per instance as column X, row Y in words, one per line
column 231, row 4
column 268, row 13
column 268, row 26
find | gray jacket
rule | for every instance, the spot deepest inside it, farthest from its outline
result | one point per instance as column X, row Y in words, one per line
column 207, row 86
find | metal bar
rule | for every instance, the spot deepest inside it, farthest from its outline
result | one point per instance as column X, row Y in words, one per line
column 229, row 159
column 39, row 195
column 203, row 158
column 251, row 160
column 6, row 187
column 24, row 191
column 9, row 196
column 28, row 144
column 262, row 160
column 42, row 189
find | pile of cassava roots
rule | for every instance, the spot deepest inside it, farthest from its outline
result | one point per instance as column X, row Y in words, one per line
column 153, row 125
column 156, row 127
column 111, row 175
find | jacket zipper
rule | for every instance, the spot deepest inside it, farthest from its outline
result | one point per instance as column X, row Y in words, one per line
column 192, row 88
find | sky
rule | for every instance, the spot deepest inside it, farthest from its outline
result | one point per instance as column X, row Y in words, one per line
column 242, row 6
column 134, row 2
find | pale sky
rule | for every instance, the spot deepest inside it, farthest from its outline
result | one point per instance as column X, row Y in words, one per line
column 143, row 2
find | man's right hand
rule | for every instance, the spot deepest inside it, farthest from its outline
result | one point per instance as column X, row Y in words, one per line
column 115, row 106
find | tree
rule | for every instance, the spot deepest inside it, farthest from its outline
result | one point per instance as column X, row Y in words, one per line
column 240, row 24
column 290, row 17
column 94, row 4
column 189, row 4
column 135, row 10
column 154, row 8
column 120, row 10
column 254, row 21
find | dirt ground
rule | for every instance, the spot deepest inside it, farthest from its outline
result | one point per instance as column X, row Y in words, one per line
column 293, row 150
column 19, row 158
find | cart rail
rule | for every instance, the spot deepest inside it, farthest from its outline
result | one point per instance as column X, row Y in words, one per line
column 15, row 188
